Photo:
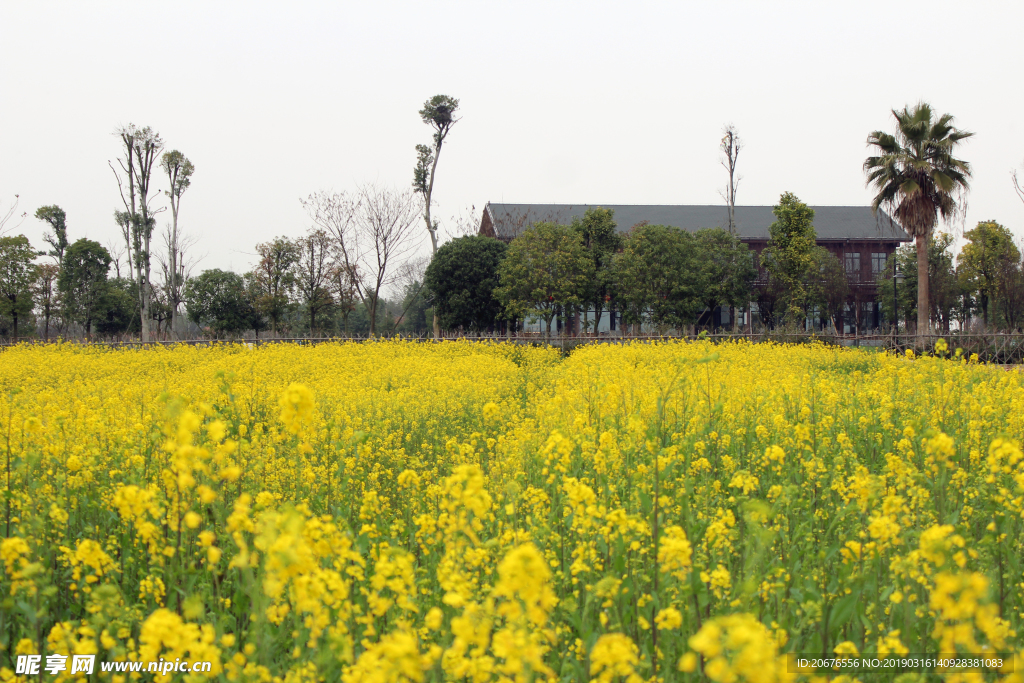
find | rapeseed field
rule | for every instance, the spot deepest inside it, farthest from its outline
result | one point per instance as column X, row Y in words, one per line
column 394, row 511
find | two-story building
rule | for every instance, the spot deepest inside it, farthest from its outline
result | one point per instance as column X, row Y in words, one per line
column 862, row 240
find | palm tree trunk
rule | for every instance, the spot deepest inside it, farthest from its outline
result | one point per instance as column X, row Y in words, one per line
column 922, row 290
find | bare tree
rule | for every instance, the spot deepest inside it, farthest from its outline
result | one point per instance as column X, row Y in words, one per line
column 465, row 222
column 176, row 266
column 344, row 288
column 373, row 234
column 141, row 146
column 313, row 274
column 385, row 218
column 511, row 221
column 409, row 276
column 116, row 251
column 179, row 176
column 9, row 214
column 1016, row 186
column 731, row 146
column 46, row 293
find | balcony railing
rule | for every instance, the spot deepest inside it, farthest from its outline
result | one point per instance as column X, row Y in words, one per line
column 863, row 278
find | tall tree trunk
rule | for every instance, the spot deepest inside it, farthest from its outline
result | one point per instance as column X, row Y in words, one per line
column 922, row 289
column 430, row 225
column 173, row 293
column 144, row 329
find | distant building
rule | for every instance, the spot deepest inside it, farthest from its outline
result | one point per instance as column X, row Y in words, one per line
column 860, row 239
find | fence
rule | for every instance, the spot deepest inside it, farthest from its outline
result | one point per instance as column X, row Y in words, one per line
column 1000, row 348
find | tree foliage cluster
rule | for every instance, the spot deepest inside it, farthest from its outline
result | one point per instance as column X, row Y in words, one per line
column 981, row 287
column 654, row 274
column 53, row 298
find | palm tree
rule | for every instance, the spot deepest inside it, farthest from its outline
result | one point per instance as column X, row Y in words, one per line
column 918, row 179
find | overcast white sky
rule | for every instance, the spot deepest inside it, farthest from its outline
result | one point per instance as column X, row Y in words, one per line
column 614, row 103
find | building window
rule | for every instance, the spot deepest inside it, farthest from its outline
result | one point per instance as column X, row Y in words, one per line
column 853, row 262
column 869, row 315
column 878, row 260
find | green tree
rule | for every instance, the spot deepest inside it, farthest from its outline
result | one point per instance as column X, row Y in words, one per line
column 725, row 269
column 657, row 277
column 545, row 269
column 988, row 254
column 948, row 294
column 17, row 276
column 120, row 308
column 58, row 239
column 918, row 179
column 217, row 299
column 905, row 291
column 273, row 280
column 828, row 287
column 83, row 282
column 597, row 229
column 789, row 256
column 257, row 320
column 439, row 113
column 944, row 283
column 966, row 305
column 1010, row 293
column 462, row 277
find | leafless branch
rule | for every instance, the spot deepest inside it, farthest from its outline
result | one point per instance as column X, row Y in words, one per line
column 466, row 222
column 116, row 252
column 731, row 146
column 335, row 213
column 6, row 216
column 372, row 232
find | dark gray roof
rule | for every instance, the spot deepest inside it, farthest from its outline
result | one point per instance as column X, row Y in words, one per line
column 830, row 222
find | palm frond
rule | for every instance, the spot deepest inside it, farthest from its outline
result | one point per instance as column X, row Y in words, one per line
column 914, row 171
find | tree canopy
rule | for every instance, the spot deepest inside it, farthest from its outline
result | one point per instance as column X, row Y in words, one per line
column 217, row 298
column 546, row 269
column 988, row 255
column 83, row 281
column 657, row 277
column 597, row 230
column 789, row 256
column 58, row 238
column 725, row 268
column 17, row 274
column 462, row 278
